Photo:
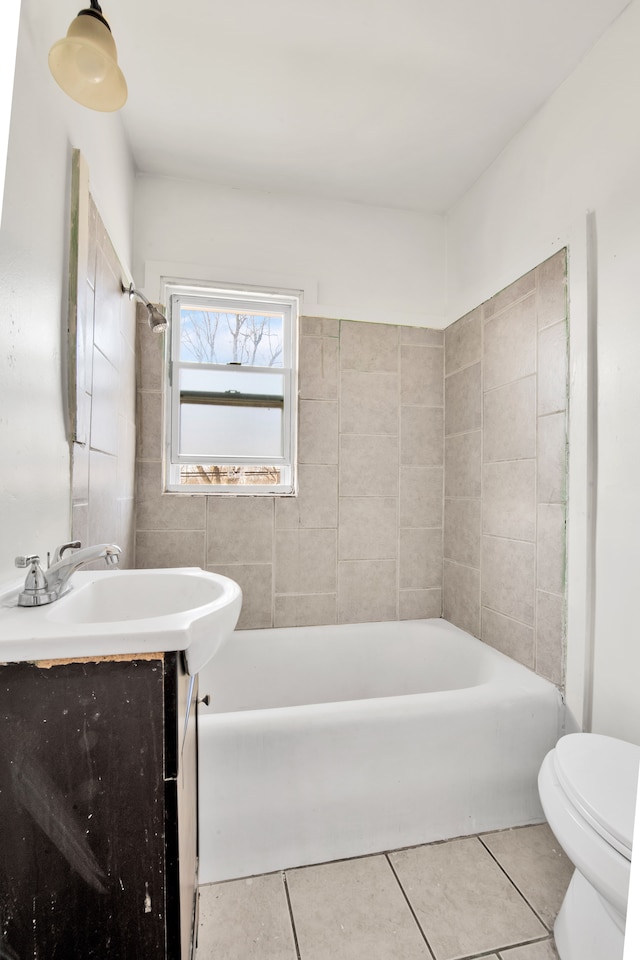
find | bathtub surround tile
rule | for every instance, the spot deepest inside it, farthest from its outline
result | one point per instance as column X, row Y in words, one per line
column 516, row 640
column 552, row 458
column 443, row 884
column 463, row 342
column 550, row 636
column 461, row 598
column 318, row 431
column 368, row 347
column 319, row 327
column 420, row 502
column 368, row 528
column 422, row 335
column 552, row 379
column 318, row 368
column 149, row 425
column 508, row 577
column 462, row 466
column 353, row 909
column 421, row 435
column 245, row 920
column 239, row 530
column 305, row 561
column 463, row 401
column 421, row 372
column 104, row 413
column 420, row 604
column 510, row 421
column 551, row 548
column 256, row 583
column 305, row 610
column 367, row 591
column 420, row 558
column 186, row 513
column 149, row 353
column 369, row 403
column 510, row 344
column 169, row 548
column 368, row 466
column 537, row 865
column 552, row 289
column 463, row 531
column 509, row 499
column 517, row 290
column 316, row 503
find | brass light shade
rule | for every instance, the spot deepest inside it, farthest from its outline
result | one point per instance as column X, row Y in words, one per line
column 85, row 63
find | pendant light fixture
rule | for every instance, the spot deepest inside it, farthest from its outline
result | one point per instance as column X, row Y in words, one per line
column 85, row 62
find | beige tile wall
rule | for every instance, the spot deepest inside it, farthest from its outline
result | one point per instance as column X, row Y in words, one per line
column 103, row 465
column 505, row 469
column 362, row 541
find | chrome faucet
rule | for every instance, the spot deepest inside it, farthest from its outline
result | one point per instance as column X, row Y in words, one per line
column 45, row 586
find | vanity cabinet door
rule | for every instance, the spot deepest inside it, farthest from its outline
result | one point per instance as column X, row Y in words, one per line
column 82, row 811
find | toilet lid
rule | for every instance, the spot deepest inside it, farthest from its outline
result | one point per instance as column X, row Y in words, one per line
column 600, row 776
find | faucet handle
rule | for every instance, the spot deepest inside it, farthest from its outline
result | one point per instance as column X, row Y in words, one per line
column 59, row 551
column 23, row 562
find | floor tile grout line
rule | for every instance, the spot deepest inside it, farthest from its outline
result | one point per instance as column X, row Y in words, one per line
column 410, row 905
column 290, row 908
column 515, row 885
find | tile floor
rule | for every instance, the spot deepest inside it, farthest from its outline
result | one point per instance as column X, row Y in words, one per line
column 493, row 896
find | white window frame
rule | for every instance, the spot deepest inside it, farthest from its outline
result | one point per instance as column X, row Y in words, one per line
column 286, row 302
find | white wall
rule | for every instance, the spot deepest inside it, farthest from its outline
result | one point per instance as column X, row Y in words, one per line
column 355, row 262
column 45, row 126
column 581, row 152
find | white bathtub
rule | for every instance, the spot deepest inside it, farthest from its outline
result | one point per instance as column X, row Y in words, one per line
column 322, row 743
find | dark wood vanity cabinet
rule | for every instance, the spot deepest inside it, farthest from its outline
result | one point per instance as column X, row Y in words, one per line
column 98, row 809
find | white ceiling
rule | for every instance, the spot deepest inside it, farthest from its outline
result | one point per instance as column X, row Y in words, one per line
column 399, row 103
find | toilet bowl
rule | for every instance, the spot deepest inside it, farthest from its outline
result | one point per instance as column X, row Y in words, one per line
column 587, row 787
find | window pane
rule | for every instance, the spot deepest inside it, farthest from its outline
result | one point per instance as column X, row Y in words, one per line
column 227, row 476
column 230, row 431
column 209, row 335
column 231, row 382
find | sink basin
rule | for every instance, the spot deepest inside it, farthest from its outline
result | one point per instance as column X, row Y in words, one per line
column 126, row 611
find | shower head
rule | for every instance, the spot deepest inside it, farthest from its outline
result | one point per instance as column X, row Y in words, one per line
column 157, row 321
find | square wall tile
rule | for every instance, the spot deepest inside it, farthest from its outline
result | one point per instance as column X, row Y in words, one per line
column 461, row 599
column 510, row 344
column 517, row 290
column 318, row 431
column 369, row 403
column 420, row 604
column 367, row 591
column 552, row 369
column 426, row 336
column 308, row 610
column 462, row 899
column 421, row 375
column 510, row 421
column 318, row 368
column 353, row 909
column 463, row 401
column 149, row 356
column 368, row 466
column 509, row 501
column 516, row 640
column 149, row 426
column 103, row 498
column 316, row 503
column 306, row 561
column 368, row 347
column 239, row 529
column 463, row 531
column 319, row 327
column 551, row 547
column 368, row 528
column 550, row 637
column 462, row 466
column 104, row 405
column 256, row 583
column 156, row 510
column 552, row 458
column 420, row 558
column 463, row 341
column 508, row 578
column 421, row 490
column 169, row 548
column 421, row 435
column 552, row 289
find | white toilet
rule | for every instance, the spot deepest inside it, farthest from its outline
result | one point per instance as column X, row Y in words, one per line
column 587, row 787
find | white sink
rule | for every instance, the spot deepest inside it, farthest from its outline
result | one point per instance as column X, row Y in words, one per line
column 125, row 611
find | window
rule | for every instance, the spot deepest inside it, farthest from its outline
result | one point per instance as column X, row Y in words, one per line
column 231, row 391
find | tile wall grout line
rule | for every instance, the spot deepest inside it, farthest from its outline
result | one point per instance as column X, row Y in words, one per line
column 291, row 918
column 517, row 888
column 410, row 906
